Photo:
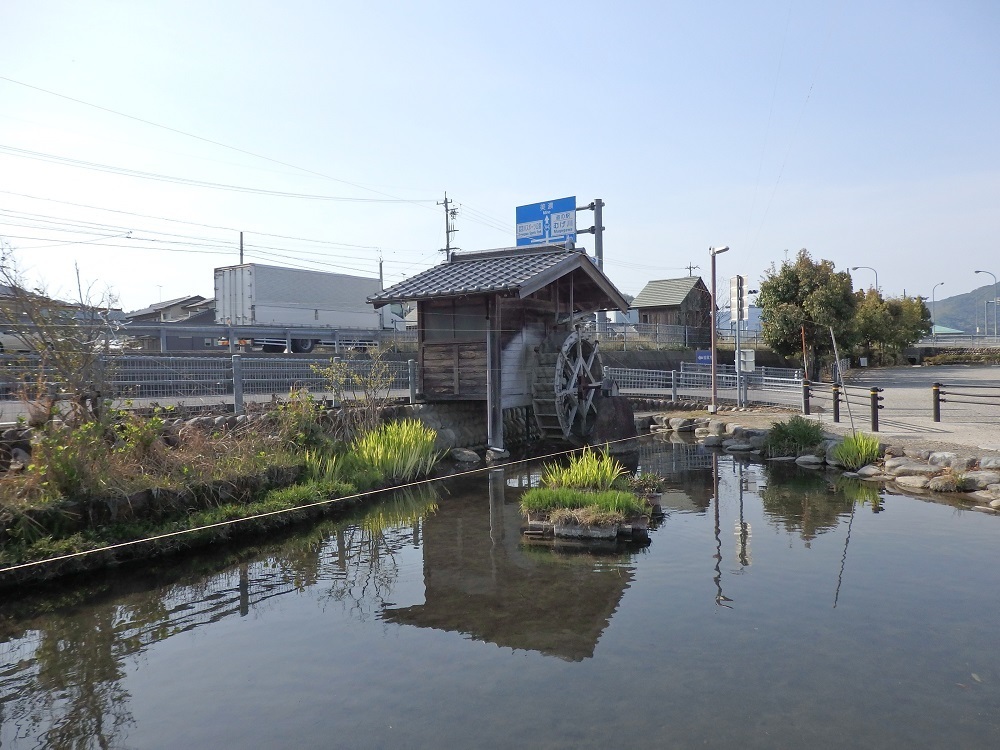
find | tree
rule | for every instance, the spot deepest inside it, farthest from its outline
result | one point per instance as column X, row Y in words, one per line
column 70, row 341
column 800, row 303
column 887, row 326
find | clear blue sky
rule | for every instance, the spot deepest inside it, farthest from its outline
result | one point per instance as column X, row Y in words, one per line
column 863, row 131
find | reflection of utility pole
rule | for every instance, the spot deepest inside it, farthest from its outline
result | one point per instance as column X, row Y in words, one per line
column 742, row 528
column 720, row 598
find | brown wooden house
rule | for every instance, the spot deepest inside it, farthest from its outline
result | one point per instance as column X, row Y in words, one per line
column 675, row 302
column 485, row 318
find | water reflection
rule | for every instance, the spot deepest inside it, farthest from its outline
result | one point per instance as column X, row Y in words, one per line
column 64, row 657
column 483, row 581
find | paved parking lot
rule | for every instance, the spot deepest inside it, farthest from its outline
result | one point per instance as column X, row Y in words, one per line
column 970, row 414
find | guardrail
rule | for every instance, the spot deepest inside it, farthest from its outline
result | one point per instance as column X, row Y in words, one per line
column 980, row 395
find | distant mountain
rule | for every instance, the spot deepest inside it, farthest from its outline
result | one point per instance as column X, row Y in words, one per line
column 965, row 311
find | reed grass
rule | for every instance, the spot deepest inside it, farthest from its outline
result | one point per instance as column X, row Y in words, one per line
column 399, row 450
column 857, row 450
column 587, row 470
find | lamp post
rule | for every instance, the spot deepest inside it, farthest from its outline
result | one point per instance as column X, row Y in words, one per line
column 713, row 251
column 994, row 302
column 934, row 309
column 855, row 268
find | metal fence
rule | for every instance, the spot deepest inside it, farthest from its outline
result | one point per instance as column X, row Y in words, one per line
column 159, row 378
column 768, row 386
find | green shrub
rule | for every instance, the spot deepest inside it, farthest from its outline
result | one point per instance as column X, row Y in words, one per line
column 793, row 437
column 71, row 463
column 587, row 470
column 398, row 450
column 549, row 499
column 857, row 450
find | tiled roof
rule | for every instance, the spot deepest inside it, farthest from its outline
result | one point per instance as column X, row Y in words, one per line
column 517, row 270
column 666, row 292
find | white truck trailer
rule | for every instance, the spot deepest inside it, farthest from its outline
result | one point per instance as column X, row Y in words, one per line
column 253, row 294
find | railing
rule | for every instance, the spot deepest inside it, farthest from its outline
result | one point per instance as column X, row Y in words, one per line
column 764, row 386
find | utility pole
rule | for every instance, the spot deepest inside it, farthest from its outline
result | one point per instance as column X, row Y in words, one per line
column 690, row 268
column 241, row 248
column 597, row 206
column 449, row 228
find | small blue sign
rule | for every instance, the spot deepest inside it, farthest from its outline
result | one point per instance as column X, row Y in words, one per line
column 703, row 356
column 547, row 222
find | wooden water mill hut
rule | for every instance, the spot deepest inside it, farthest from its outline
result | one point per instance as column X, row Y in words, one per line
column 509, row 328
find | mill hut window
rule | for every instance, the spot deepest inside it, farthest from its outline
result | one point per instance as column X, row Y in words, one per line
column 455, row 320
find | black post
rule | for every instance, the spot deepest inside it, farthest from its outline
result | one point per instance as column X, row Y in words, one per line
column 836, row 402
column 875, row 398
column 936, row 393
column 805, row 397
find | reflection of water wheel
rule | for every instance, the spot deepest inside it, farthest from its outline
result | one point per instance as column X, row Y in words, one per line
column 566, row 378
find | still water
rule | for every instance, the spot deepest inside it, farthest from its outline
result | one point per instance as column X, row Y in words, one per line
column 783, row 609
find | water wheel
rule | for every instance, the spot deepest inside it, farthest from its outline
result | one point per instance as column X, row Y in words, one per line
column 566, row 379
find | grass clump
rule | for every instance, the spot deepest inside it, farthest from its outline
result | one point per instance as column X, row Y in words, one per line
column 793, row 437
column 549, row 500
column 857, row 450
column 398, row 450
column 586, row 471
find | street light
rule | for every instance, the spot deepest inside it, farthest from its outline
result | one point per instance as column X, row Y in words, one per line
column 855, row 268
column 713, row 251
column 994, row 302
column 934, row 308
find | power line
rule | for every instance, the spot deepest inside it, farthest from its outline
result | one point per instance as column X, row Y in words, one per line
column 122, row 171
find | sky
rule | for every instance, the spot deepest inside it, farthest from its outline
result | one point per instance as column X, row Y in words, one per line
column 138, row 139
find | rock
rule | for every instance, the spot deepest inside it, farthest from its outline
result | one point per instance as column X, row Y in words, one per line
column 782, row 458
column 713, row 441
column 962, row 463
column 464, row 455
column 979, row 480
column 894, row 451
column 989, row 462
column 995, row 503
column 738, row 447
column 809, row 460
column 868, row 471
column 913, row 469
column 701, row 432
column 716, row 427
column 941, row 458
column 918, row 453
column 735, row 430
column 494, row 455
column 757, row 442
column 831, row 450
column 681, row 424
column 943, row 483
column 445, row 440
column 614, row 424
column 913, row 482
column 894, row 461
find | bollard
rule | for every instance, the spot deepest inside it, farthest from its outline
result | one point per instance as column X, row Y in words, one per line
column 936, row 395
column 411, row 367
column 836, row 402
column 875, row 398
column 237, row 384
column 805, row 397
column 673, row 386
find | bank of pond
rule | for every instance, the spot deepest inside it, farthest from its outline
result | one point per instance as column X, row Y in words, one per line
column 81, row 498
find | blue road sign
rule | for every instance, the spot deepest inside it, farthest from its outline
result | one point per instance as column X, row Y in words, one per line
column 703, row 356
column 547, row 222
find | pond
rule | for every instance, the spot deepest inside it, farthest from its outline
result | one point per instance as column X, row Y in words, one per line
column 785, row 609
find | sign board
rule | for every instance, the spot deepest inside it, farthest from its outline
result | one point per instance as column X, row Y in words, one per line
column 547, row 222
column 748, row 360
column 703, row 356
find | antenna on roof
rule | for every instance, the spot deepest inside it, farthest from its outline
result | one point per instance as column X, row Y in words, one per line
column 691, row 268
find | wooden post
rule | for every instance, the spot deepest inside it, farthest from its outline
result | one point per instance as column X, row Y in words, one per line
column 494, row 410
